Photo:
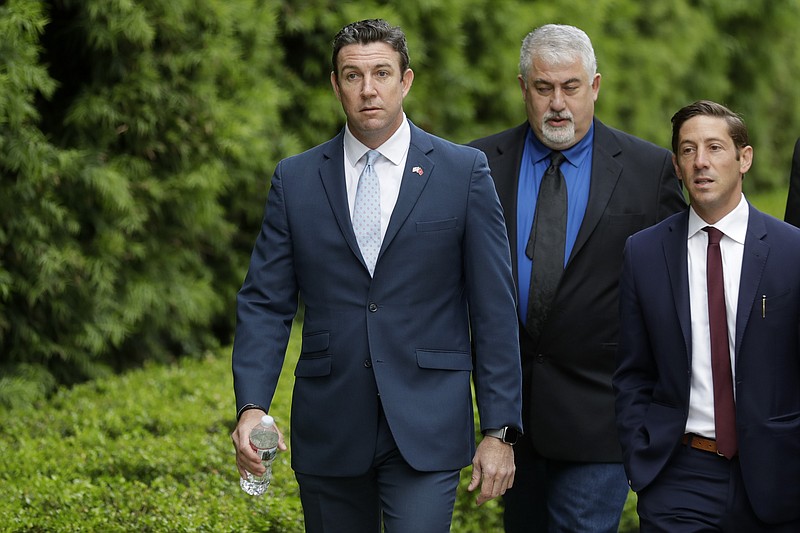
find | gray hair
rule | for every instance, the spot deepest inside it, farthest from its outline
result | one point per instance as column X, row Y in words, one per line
column 557, row 44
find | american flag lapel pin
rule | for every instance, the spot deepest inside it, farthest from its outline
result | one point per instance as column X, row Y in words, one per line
column 418, row 170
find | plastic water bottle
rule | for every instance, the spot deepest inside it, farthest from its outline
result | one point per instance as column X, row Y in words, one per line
column 264, row 440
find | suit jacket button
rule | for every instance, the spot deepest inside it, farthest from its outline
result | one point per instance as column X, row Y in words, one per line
column 540, row 358
column 373, row 307
column 367, row 364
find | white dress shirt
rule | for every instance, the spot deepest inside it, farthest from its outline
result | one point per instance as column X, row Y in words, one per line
column 734, row 228
column 389, row 168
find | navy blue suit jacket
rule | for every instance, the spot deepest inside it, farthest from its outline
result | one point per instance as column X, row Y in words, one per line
column 792, row 215
column 441, row 283
column 652, row 381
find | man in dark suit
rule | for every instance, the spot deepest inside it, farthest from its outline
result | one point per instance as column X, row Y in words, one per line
column 398, row 287
column 708, row 383
column 569, row 471
column 792, row 215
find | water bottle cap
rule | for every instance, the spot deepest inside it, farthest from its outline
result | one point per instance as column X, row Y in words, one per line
column 267, row 420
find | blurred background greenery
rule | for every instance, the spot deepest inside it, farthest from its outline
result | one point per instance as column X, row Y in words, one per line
column 137, row 138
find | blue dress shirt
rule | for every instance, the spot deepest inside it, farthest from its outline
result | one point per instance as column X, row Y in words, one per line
column 577, row 170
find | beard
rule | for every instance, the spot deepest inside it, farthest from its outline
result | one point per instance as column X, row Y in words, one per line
column 561, row 135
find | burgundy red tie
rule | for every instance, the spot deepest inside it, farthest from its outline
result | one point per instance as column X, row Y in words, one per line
column 724, row 409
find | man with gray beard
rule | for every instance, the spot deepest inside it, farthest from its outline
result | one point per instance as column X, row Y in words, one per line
column 598, row 186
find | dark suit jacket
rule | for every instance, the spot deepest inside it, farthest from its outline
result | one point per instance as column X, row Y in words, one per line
column 568, row 403
column 653, row 378
column 793, row 199
column 443, row 272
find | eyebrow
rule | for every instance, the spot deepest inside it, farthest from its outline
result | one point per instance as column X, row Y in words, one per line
column 373, row 67
column 705, row 140
column 538, row 81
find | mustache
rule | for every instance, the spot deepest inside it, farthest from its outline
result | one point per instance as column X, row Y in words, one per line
column 562, row 115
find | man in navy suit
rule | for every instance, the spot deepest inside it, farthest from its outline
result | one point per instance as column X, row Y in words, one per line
column 708, row 378
column 792, row 215
column 382, row 418
column 569, row 465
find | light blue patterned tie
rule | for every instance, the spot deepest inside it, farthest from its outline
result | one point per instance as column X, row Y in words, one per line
column 367, row 212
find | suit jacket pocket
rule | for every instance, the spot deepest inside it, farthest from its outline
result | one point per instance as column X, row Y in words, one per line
column 313, row 367
column 774, row 302
column 315, row 342
column 312, row 362
column 437, row 225
column 786, row 419
column 444, row 360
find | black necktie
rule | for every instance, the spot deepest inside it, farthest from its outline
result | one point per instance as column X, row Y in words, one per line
column 546, row 245
column 721, row 374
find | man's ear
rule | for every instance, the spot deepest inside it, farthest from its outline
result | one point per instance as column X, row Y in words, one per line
column 407, row 80
column 335, row 86
column 745, row 159
column 677, row 168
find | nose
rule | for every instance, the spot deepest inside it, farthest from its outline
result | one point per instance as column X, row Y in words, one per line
column 701, row 158
column 557, row 102
column 368, row 87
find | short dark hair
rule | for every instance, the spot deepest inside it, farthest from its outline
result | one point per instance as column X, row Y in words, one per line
column 370, row 31
column 736, row 126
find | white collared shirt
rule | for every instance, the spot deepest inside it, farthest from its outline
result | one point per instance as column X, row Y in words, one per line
column 389, row 168
column 734, row 227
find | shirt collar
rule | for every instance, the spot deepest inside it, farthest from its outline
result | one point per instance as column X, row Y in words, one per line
column 733, row 225
column 574, row 154
column 394, row 149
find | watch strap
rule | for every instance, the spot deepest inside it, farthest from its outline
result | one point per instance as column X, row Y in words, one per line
column 506, row 434
column 247, row 407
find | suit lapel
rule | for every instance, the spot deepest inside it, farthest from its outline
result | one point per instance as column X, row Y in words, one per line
column 606, row 171
column 332, row 175
column 675, row 256
column 504, row 164
column 419, row 167
column 754, row 260
column 331, row 172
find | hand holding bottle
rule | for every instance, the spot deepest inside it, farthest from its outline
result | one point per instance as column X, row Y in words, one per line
column 256, row 446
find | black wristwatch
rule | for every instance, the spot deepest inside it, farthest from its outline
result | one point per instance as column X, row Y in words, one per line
column 247, row 407
column 507, row 434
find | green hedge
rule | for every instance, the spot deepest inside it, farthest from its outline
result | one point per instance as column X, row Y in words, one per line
column 146, row 451
column 151, row 451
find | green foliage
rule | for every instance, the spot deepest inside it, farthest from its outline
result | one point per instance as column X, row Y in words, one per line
column 137, row 138
column 132, row 154
column 146, row 451
column 150, row 451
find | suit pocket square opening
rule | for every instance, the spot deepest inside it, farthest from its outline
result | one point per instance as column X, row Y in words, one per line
column 437, row 225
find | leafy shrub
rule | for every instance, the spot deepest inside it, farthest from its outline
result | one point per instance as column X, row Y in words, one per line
column 150, row 450
column 146, row 451
column 135, row 141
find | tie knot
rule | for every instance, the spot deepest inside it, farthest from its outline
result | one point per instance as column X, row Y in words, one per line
column 556, row 158
column 372, row 155
column 714, row 235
